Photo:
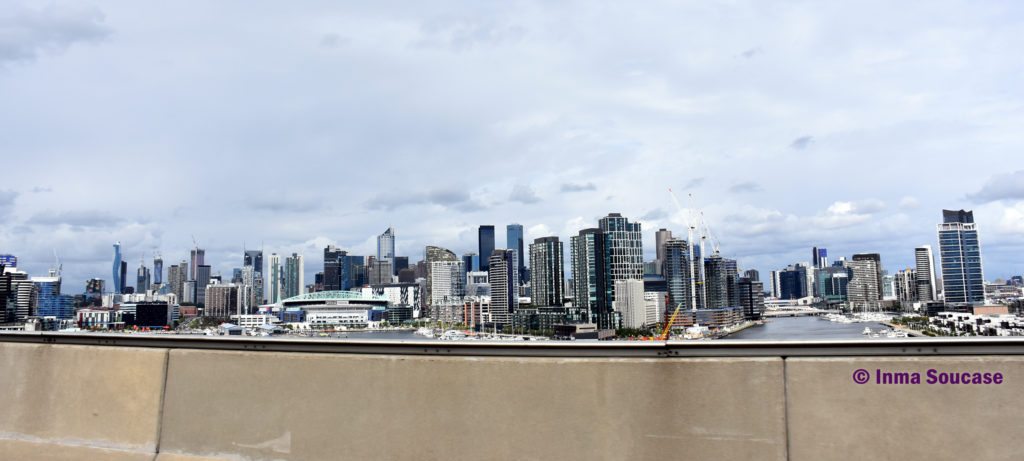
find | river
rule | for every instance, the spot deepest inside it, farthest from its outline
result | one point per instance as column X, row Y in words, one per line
column 783, row 328
column 805, row 328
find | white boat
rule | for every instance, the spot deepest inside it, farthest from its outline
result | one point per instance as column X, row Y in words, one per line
column 452, row 335
column 867, row 331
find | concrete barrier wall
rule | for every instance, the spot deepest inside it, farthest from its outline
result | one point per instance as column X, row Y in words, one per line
column 115, row 403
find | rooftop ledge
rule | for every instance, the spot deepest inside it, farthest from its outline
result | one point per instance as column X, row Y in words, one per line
column 638, row 349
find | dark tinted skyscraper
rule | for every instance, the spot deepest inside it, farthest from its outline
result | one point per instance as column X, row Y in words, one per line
column 720, row 279
column 485, row 236
column 960, row 258
column 514, row 240
column 253, row 258
column 335, row 275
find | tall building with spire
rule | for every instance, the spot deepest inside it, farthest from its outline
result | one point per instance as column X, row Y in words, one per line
column 960, row 257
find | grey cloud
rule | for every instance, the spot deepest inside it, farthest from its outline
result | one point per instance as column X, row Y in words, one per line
column 1006, row 186
column 578, row 187
column 692, row 183
column 41, row 189
column 81, row 218
column 450, row 198
column 29, row 33
column 745, row 187
column 752, row 52
column 467, row 33
column 654, row 214
column 523, row 194
column 287, row 204
column 802, row 142
column 334, row 41
column 7, row 198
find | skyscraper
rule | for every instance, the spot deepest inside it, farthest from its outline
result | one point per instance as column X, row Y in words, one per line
column 514, row 240
column 142, row 279
column 253, row 258
column 386, row 245
column 485, row 237
column 293, row 276
column 660, row 238
column 677, row 270
column 115, row 278
column 431, row 255
column 158, row 270
column 275, row 282
column 201, row 281
column 198, row 258
column 588, row 262
column 335, row 275
column 547, row 277
column 792, row 282
column 503, row 278
column 630, row 303
column 624, row 249
column 720, row 281
column 924, row 274
column 124, row 276
column 960, row 258
column 819, row 257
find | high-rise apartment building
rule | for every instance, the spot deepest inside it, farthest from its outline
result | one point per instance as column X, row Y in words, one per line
column 924, row 273
column 963, row 280
column 275, row 282
column 485, row 239
column 720, row 281
column 294, row 278
column 905, row 284
column 865, row 287
column 588, row 262
column 660, row 238
column 677, row 270
column 503, row 279
column 547, row 275
column 630, row 303
column 750, row 297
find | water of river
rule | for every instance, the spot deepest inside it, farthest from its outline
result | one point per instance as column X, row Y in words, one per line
column 806, row 328
column 784, row 328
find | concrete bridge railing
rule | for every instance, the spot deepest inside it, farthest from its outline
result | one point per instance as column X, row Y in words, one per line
column 112, row 397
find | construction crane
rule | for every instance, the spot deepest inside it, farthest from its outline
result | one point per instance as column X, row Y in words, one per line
column 668, row 325
column 695, row 266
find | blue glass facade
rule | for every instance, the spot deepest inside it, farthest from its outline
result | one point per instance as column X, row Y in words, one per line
column 514, row 240
column 49, row 301
column 960, row 258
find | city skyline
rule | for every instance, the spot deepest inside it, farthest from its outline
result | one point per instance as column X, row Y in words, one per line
column 844, row 146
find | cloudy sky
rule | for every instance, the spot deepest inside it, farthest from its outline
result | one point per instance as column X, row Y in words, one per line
column 792, row 124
